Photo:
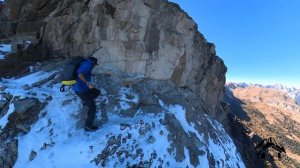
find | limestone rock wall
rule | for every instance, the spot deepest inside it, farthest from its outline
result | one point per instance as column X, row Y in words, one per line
column 154, row 38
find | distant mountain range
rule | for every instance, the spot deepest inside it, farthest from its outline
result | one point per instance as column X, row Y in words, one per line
column 260, row 112
column 292, row 91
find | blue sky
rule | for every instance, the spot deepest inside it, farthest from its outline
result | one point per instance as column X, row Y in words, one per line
column 259, row 40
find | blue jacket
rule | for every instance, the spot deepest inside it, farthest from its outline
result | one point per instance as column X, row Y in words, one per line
column 85, row 68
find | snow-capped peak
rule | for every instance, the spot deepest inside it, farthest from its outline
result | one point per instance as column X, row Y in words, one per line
column 293, row 92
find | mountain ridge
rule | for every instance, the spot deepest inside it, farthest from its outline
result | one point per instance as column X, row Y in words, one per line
column 266, row 112
column 293, row 92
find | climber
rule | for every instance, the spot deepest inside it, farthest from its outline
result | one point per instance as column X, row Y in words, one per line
column 87, row 91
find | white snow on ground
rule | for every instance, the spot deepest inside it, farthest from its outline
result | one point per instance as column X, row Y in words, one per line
column 224, row 143
column 4, row 119
column 70, row 147
column 60, row 144
column 27, row 80
column 16, row 86
column 5, row 47
column 215, row 148
column 127, row 96
column 180, row 114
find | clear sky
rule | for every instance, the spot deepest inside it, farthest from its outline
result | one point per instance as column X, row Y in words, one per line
column 259, row 40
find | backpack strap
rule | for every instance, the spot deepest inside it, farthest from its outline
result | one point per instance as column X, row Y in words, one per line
column 62, row 88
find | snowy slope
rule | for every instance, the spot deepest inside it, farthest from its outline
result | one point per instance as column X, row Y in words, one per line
column 59, row 143
column 4, row 48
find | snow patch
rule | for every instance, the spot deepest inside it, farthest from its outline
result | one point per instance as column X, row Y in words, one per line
column 124, row 105
column 27, row 80
column 126, row 94
column 180, row 114
column 5, row 48
column 224, row 148
column 4, row 119
column 59, row 143
column 16, row 86
column 2, row 57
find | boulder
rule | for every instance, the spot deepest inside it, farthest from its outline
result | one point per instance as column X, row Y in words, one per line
column 32, row 155
column 26, row 113
column 24, row 105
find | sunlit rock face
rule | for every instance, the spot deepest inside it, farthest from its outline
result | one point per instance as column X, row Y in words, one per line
column 154, row 38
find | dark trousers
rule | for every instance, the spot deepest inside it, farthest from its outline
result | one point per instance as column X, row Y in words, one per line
column 88, row 99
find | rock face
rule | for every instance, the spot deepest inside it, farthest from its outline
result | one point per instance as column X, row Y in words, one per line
column 146, row 97
column 154, row 38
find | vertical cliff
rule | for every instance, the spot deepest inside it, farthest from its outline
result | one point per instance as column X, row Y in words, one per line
column 154, row 38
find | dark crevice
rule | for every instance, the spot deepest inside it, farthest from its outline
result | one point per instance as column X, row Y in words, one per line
column 109, row 9
column 45, row 4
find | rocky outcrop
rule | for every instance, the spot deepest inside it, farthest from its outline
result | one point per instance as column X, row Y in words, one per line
column 24, row 18
column 8, row 153
column 144, row 123
column 19, row 121
column 146, row 97
column 153, row 38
